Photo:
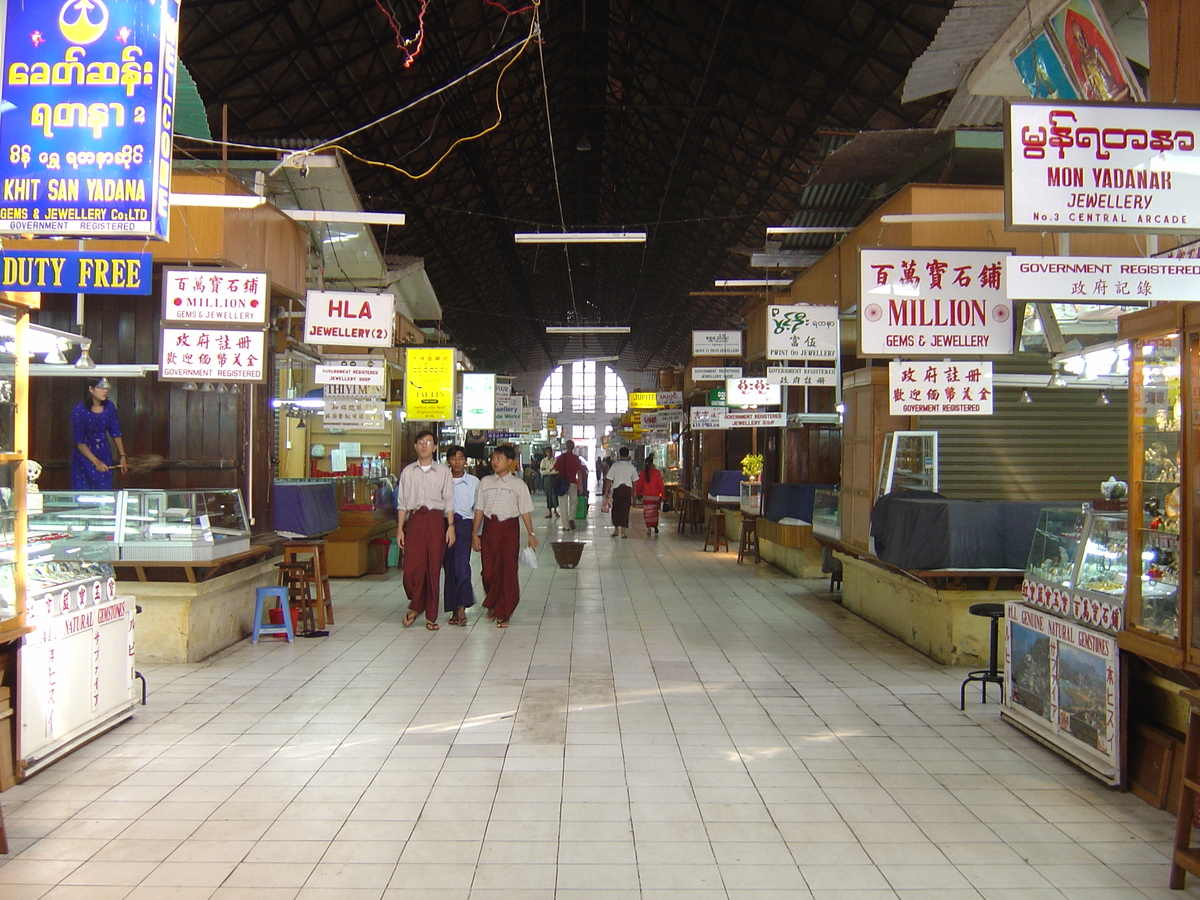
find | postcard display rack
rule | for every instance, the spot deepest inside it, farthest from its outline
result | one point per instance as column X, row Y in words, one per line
column 1061, row 660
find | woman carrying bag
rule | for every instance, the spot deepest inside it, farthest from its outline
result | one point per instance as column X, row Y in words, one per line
column 649, row 487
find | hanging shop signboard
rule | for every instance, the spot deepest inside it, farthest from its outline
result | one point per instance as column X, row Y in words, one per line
column 940, row 388
column 1088, row 279
column 89, row 96
column 362, row 370
column 803, row 376
column 508, row 414
column 670, row 398
column 707, row 417
column 429, row 384
column 716, row 343
column 530, row 421
column 211, row 354
column 717, row 373
column 803, row 331
column 1190, row 250
column 75, row 272
column 356, row 391
column 1101, row 167
column 752, row 392
column 1061, row 684
column 479, row 400
column 350, row 318
column 229, row 297
column 643, row 400
column 662, row 420
column 933, row 303
column 361, row 415
column 718, row 417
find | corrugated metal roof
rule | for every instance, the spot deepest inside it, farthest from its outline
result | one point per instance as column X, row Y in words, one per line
column 968, row 32
column 969, row 110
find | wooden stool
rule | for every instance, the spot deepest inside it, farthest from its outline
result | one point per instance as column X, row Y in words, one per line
column 314, row 551
column 1186, row 858
column 749, row 538
column 716, row 531
column 691, row 513
column 296, row 577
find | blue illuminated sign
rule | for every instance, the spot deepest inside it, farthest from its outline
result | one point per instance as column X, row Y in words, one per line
column 75, row 272
column 86, row 109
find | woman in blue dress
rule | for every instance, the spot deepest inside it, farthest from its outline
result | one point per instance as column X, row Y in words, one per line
column 92, row 422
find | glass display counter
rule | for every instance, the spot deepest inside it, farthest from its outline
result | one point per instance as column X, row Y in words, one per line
column 827, row 518
column 1077, row 566
column 909, row 462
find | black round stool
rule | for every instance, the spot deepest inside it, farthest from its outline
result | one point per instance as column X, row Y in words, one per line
column 992, row 674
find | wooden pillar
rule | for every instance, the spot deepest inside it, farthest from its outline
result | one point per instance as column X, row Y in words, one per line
column 1174, row 51
column 867, row 420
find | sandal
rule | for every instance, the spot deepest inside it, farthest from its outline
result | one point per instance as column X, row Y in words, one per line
column 457, row 620
column 432, row 626
column 502, row 623
column 409, row 618
column 491, row 616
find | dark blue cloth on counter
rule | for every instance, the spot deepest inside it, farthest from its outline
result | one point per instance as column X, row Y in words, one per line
column 791, row 501
column 306, row 507
column 726, row 483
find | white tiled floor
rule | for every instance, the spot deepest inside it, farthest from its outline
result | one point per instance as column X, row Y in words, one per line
column 658, row 723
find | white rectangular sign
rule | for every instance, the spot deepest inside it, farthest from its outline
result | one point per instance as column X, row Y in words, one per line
column 802, row 331
column 940, row 388
column 210, row 354
column 508, row 413
column 1096, row 279
column 716, row 343
column 670, row 417
column 357, row 391
column 228, row 297
column 718, row 373
column 364, row 415
column 350, row 319
column 717, row 417
column 752, row 392
column 1102, row 167
column 347, row 370
column 933, row 303
column 670, row 398
column 707, row 417
column 479, row 401
column 803, row 376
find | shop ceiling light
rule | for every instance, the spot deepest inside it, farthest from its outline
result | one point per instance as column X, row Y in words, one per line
column 358, row 217
column 1026, row 397
column 587, row 329
column 55, row 356
column 85, row 360
column 221, row 201
column 753, row 282
column 1103, row 400
column 580, row 237
column 921, row 218
column 807, row 229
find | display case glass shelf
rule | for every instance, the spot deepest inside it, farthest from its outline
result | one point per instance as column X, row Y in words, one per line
column 1078, row 566
column 909, row 463
column 827, row 519
column 141, row 525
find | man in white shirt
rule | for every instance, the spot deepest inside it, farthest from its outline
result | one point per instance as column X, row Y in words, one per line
column 502, row 504
column 457, row 591
column 621, row 477
column 425, row 501
column 550, row 484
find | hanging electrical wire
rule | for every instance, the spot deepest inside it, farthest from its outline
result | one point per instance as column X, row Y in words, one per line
column 410, row 45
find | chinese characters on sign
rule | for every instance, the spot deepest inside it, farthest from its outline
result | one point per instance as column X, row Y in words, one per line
column 933, row 303
column 349, row 318
column 716, row 343
column 802, row 332
column 429, row 384
column 940, row 388
column 1101, row 167
column 366, row 415
column 802, row 376
column 1088, row 279
column 210, row 354
column 718, row 417
column 752, row 392
column 89, row 95
column 228, row 297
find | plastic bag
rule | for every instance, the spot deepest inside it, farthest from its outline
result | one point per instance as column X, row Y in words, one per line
column 529, row 557
column 606, row 506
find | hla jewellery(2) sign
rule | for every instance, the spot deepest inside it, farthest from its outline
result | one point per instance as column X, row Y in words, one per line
column 933, row 303
column 229, row 297
column 75, row 272
column 1101, row 167
column 89, row 94
column 349, row 318
column 716, row 343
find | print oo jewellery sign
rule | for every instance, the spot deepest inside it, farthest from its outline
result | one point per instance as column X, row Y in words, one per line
column 1101, row 167
column 940, row 388
column 802, row 331
column 85, row 138
column 1094, row 279
column 933, row 303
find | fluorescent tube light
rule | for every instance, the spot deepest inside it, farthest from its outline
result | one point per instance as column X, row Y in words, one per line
column 223, row 201
column 917, row 218
column 753, row 282
column 358, row 217
column 807, row 229
column 581, row 237
column 587, row 329
column 568, row 362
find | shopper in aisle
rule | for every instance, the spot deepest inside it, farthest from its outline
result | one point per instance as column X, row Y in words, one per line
column 568, row 468
column 621, row 477
column 550, row 483
column 93, row 422
column 457, row 591
column 502, row 505
column 650, row 488
column 425, row 513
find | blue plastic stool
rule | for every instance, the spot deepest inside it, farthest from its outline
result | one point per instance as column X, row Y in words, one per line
column 260, row 595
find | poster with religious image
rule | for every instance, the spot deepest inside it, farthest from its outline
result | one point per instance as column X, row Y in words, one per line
column 1097, row 65
column 1043, row 71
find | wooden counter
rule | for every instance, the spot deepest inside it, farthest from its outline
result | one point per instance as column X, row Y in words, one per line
column 346, row 549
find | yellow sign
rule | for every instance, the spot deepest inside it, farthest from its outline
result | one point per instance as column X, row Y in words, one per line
column 429, row 384
column 648, row 400
column 551, row 424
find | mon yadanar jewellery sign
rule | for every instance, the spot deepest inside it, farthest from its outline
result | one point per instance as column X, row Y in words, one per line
column 1101, row 167
column 88, row 92
column 933, row 303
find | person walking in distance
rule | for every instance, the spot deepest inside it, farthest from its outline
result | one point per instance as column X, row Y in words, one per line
column 457, row 590
column 502, row 506
column 650, row 488
column 550, row 484
column 568, row 469
column 425, row 515
column 621, row 477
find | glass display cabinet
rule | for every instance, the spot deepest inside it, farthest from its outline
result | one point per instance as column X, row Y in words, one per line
column 1077, row 566
column 14, row 432
column 909, row 463
column 827, row 519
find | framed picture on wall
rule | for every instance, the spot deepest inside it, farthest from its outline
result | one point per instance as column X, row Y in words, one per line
column 1098, row 67
column 1043, row 71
